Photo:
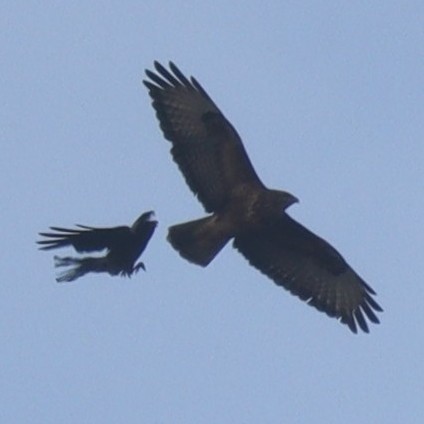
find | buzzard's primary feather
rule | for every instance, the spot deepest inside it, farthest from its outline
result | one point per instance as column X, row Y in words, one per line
column 124, row 246
column 215, row 165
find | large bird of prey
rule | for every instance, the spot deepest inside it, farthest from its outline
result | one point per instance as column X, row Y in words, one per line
column 215, row 165
column 124, row 246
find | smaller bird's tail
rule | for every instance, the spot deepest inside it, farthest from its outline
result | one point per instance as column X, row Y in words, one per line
column 81, row 266
column 199, row 241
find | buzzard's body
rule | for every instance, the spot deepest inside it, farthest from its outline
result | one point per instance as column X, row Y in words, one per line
column 215, row 165
column 124, row 246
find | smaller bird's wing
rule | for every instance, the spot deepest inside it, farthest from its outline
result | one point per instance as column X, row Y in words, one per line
column 85, row 239
column 310, row 268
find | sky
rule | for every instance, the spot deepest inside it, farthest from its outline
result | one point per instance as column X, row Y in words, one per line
column 328, row 98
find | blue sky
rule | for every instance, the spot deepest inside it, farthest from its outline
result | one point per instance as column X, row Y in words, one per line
column 328, row 98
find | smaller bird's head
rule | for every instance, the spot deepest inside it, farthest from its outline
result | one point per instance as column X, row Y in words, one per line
column 146, row 216
column 143, row 218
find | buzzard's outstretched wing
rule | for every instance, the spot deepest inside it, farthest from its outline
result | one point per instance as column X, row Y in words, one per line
column 86, row 239
column 311, row 269
column 206, row 147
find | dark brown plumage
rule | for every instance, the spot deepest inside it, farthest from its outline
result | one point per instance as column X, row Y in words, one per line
column 215, row 165
column 124, row 246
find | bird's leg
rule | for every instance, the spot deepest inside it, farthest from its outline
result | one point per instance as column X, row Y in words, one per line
column 138, row 266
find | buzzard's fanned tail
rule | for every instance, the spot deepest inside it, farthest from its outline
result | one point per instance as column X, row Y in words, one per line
column 199, row 241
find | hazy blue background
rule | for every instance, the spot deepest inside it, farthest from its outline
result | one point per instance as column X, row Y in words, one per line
column 328, row 97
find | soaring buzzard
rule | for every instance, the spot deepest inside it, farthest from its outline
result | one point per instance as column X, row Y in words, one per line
column 124, row 245
column 215, row 165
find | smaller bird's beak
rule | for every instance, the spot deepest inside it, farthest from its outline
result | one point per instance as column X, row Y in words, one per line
column 146, row 216
column 150, row 214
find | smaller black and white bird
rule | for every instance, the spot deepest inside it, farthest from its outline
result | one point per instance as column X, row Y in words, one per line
column 124, row 246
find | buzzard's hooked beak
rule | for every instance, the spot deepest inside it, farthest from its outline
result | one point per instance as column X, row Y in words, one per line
column 290, row 200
